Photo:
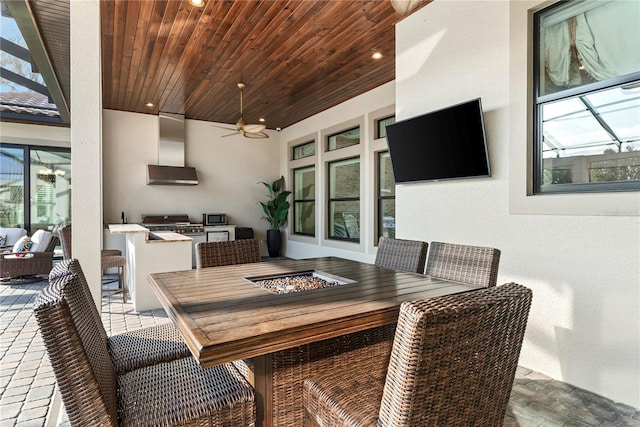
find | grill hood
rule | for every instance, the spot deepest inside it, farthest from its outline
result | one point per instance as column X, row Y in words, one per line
column 170, row 169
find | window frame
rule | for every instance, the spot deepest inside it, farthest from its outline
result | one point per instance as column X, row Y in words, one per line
column 328, row 137
column 379, row 197
column 26, row 168
column 296, row 201
column 358, row 199
column 293, row 150
column 538, row 103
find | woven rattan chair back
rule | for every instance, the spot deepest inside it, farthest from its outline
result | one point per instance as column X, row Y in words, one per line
column 72, row 266
column 399, row 254
column 214, row 254
column 454, row 358
column 77, row 351
column 65, row 241
column 473, row 265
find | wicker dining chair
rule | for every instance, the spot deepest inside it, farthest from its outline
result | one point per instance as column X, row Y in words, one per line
column 172, row 393
column 399, row 254
column 133, row 349
column 473, row 265
column 214, row 254
column 453, row 363
column 109, row 258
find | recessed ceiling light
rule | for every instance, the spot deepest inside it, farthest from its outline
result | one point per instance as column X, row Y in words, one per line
column 197, row 3
column 149, row 104
column 377, row 55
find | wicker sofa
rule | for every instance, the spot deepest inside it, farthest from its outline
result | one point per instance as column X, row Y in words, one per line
column 38, row 260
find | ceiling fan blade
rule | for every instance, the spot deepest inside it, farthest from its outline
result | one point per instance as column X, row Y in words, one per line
column 254, row 128
column 255, row 135
column 224, row 127
column 231, row 134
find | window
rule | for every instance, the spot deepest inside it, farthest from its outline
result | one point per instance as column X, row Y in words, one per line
column 587, row 97
column 381, row 126
column 12, row 183
column 386, row 189
column 301, row 151
column 343, row 139
column 304, row 203
column 344, row 199
column 35, row 186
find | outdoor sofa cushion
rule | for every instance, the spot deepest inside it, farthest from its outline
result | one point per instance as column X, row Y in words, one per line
column 12, row 235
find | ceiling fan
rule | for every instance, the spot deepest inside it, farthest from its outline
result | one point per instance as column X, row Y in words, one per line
column 248, row 130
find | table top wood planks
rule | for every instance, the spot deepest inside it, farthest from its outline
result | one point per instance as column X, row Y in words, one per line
column 224, row 315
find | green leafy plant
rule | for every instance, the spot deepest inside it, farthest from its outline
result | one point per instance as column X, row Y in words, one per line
column 276, row 208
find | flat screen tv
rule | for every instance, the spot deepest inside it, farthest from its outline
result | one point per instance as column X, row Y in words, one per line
column 445, row 144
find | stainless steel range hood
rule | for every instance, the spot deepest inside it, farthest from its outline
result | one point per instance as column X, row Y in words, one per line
column 170, row 169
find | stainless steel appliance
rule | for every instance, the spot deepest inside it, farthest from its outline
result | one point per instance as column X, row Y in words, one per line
column 210, row 219
column 177, row 223
column 220, row 233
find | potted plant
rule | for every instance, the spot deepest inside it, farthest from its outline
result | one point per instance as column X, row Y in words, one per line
column 275, row 210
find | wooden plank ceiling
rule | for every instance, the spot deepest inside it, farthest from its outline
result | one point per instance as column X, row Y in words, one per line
column 297, row 58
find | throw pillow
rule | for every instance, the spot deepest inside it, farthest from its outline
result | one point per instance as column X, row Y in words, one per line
column 22, row 246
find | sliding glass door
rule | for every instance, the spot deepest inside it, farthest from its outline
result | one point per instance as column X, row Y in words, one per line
column 35, row 186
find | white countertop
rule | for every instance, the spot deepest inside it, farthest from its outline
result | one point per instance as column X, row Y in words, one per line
column 127, row 228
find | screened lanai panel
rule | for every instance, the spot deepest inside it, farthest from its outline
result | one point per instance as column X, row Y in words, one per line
column 596, row 123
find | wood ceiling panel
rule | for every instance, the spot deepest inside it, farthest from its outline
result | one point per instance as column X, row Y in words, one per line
column 297, row 58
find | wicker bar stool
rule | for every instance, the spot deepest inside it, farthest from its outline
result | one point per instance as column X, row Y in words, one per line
column 453, row 363
column 133, row 349
column 214, row 254
column 172, row 393
column 473, row 265
column 399, row 254
column 109, row 258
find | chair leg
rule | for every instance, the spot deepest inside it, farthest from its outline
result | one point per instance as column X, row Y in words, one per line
column 123, row 284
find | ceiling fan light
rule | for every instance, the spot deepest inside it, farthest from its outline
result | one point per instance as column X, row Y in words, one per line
column 253, row 128
column 404, row 7
column 255, row 135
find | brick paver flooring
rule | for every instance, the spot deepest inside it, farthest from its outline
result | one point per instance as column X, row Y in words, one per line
column 27, row 381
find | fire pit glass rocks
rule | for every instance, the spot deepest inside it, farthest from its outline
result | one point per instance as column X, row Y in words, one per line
column 298, row 282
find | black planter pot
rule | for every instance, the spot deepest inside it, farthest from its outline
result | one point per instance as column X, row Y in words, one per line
column 274, row 242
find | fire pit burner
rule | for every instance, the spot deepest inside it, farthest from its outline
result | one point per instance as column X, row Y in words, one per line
column 299, row 282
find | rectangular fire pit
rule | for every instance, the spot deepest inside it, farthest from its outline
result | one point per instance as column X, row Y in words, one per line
column 299, row 282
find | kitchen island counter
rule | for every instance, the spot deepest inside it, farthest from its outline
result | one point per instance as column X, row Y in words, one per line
column 145, row 256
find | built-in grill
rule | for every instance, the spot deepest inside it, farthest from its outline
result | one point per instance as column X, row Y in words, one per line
column 178, row 223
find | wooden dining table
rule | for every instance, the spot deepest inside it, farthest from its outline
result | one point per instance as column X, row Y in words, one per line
column 224, row 316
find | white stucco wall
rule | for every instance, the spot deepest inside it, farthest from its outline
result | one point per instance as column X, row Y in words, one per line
column 228, row 171
column 584, row 327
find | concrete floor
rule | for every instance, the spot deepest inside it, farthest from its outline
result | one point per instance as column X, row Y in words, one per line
column 27, row 382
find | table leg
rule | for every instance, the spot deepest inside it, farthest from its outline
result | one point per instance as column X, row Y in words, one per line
column 263, row 387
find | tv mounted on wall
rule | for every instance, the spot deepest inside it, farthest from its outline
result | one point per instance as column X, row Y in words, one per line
column 445, row 144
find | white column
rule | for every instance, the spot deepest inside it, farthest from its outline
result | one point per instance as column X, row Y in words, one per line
column 86, row 139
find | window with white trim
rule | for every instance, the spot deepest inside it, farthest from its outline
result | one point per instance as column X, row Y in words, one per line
column 587, row 97
column 343, row 178
column 304, row 202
